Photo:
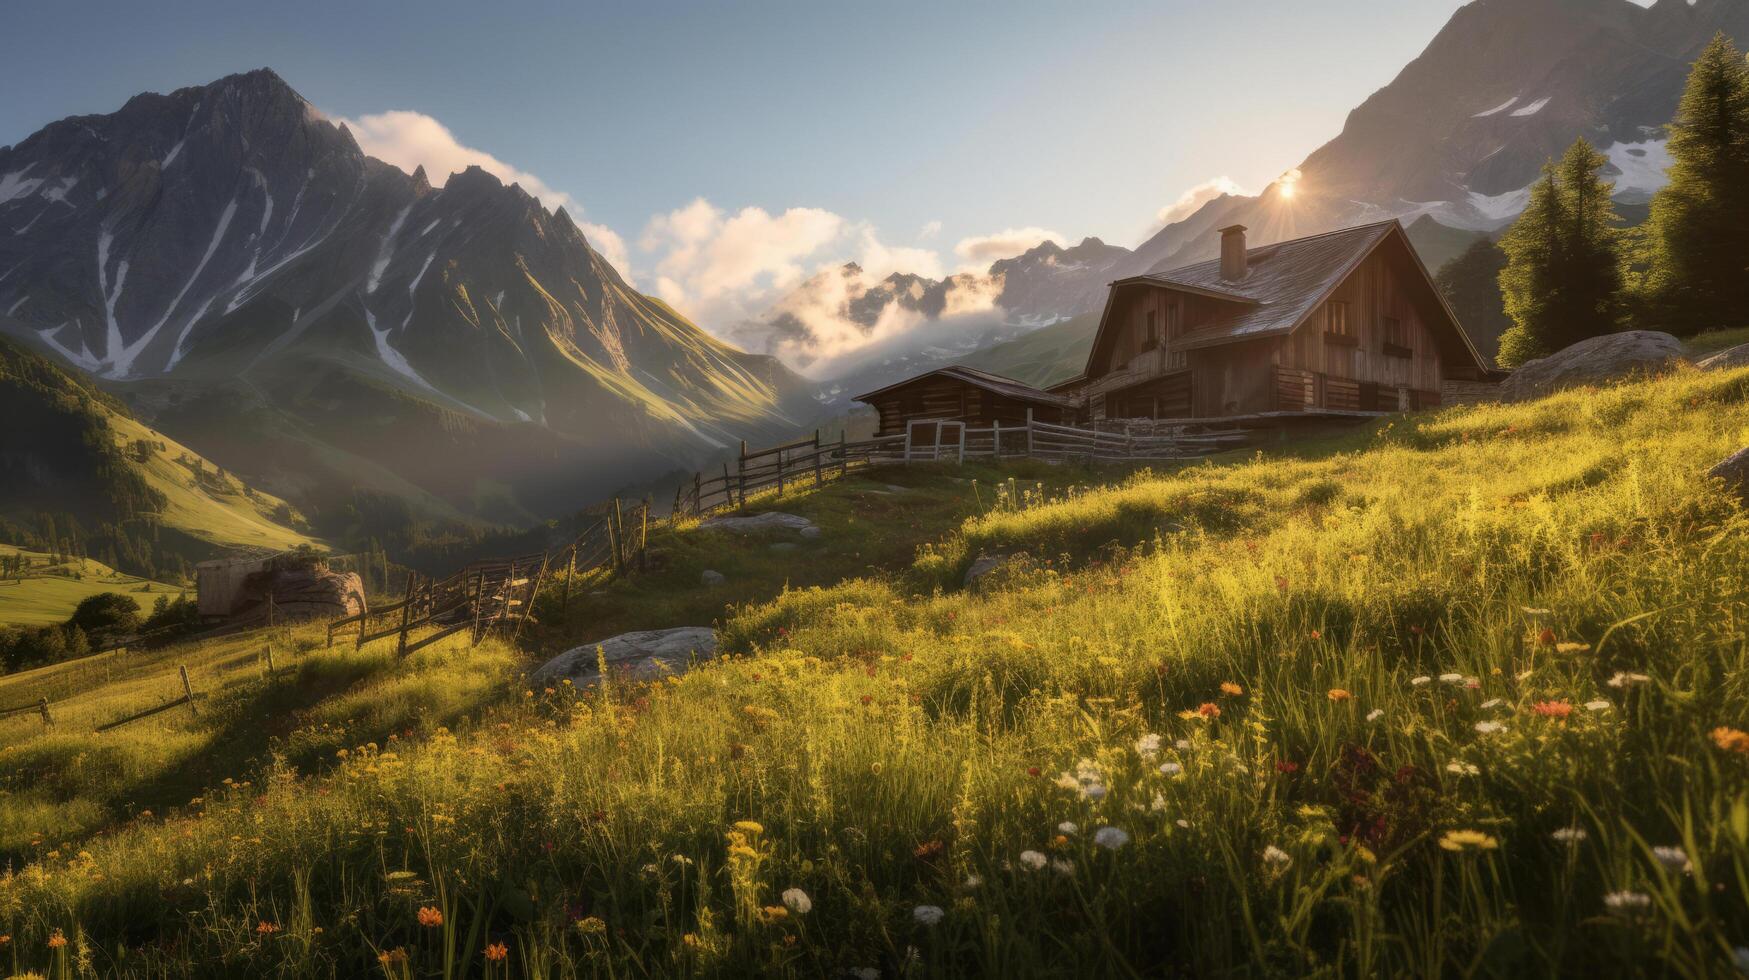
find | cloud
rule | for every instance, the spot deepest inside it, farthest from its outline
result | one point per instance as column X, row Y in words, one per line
column 611, row 246
column 930, row 229
column 410, row 140
column 720, row 267
column 1191, row 200
column 981, row 250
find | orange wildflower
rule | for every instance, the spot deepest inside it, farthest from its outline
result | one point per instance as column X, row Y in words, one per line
column 1546, row 637
column 497, row 952
column 1552, row 709
column 430, row 916
column 1228, row 687
column 1338, row 694
column 392, row 957
column 1731, row 740
column 266, row 928
column 56, row 941
column 1209, row 709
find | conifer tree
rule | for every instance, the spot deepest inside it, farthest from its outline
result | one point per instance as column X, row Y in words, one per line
column 1471, row 284
column 1563, row 277
column 1699, row 236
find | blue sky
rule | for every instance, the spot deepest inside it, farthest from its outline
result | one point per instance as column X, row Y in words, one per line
column 919, row 127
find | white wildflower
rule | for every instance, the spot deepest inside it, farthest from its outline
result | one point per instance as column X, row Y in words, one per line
column 1463, row 768
column 1492, row 703
column 1277, row 858
column 1624, row 679
column 1067, row 781
column 1490, row 727
column 1148, row 746
column 1182, row 745
column 1182, row 823
column 1170, row 768
column 1068, row 827
column 1598, row 705
column 1627, row 903
column 973, row 882
column 1672, row 858
column 1375, row 714
column 1451, row 678
column 797, row 901
column 1158, row 804
column 1033, row 860
column 1570, row 835
column 1110, row 838
column 927, row 915
column 1418, row 681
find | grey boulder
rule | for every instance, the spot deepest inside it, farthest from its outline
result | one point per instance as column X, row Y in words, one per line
column 712, row 578
column 1594, row 361
column 1733, row 357
column 758, row 523
column 638, row 656
column 1734, row 470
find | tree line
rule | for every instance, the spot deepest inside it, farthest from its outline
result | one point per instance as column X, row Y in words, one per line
column 1567, row 270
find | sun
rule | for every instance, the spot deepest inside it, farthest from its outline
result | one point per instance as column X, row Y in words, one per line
column 1287, row 191
column 1288, row 184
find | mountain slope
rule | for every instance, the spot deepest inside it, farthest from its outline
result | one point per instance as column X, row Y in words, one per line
column 75, row 453
column 230, row 237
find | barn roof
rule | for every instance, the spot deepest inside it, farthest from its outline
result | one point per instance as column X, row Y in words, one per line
column 1283, row 284
column 995, row 383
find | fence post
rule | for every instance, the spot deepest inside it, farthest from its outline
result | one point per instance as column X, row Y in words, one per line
column 741, row 472
column 570, row 569
column 644, row 538
column 187, row 689
column 42, row 705
column 674, row 514
column 698, row 492
column 817, row 476
column 480, row 603
column 728, row 488
column 619, row 537
column 843, row 458
column 270, row 610
column 1029, row 433
column 406, row 613
column 269, row 647
column 780, row 452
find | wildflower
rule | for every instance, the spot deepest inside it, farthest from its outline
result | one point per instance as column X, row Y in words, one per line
column 1598, row 706
column 1419, row 681
column 1277, row 858
column 1489, row 727
column 1182, row 745
column 1148, row 746
column 1182, row 823
column 1209, row 709
column 1572, row 647
column 1451, row 678
column 1231, row 689
column 1623, row 679
column 1094, row 791
column 430, row 917
column 927, row 915
column 1546, row 638
column 1375, row 714
column 773, row 913
column 1067, row 827
column 266, row 928
column 392, row 957
column 1570, row 835
column 1033, row 771
column 1626, row 902
column 497, row 952
column 1287, row 766
column 1034, row 860
column 1170, row 768
column 1063, row 866
column 1673, row 859
column 57, row 940
column 1731, row 740
column 1491, row 703
column 1467, row 840
column 750, row 827
column 1338, row 694
column 1463, row 768
column 973, row 882
column 1110, row 838
column 1552, row 709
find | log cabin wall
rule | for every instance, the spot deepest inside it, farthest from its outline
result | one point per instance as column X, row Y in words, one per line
column 1352, row 337
column 934, row 397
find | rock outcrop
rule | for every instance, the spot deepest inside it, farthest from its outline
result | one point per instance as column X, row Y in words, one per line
column 639, row 656
column 1594, row 361
column 1734, row 470
column 1734, row 357
column 759, row 523
column 299, row 592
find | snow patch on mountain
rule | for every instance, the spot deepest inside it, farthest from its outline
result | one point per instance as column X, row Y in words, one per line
column 122, row 363
column 1502, row 107
column 1642, row 165
column 386, row 253
column 1534, row 107
column 15, row 185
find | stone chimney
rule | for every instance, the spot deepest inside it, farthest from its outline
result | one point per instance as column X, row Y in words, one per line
column 1233, row 263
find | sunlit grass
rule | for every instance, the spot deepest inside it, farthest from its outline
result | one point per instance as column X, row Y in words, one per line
column 1464, row 696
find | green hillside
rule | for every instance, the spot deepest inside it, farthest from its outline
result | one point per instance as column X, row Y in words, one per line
column 1045, row 356
column 86, row 479
column 1462, row 693
column 47, row 592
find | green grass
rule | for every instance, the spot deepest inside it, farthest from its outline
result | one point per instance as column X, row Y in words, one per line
column 49, row 593
column 1427, row 701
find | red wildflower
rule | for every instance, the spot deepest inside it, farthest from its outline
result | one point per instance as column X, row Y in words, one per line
column 1209, row 709
column 1552, row 709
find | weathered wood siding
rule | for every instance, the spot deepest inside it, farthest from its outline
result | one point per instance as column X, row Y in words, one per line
column 936, row 397
column 1380, row 288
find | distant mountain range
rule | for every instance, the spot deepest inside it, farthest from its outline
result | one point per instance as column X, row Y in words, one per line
column 231, row 262
column 1450, row 147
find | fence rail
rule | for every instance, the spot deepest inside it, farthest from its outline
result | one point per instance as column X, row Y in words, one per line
column 810, row 462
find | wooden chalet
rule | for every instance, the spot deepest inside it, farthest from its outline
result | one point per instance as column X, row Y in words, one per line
column 1340, row 323
column 963, row 394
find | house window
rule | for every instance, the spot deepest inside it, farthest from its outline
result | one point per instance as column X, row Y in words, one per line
column 1150, row 332
column 1396, row 338
column 1338, row 326
column 1174, row 323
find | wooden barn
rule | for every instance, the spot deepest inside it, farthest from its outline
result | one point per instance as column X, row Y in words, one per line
column 964, row 394
column 1344, row 322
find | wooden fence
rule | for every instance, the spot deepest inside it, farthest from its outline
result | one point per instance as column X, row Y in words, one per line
column 811, row 462
column 499, row 593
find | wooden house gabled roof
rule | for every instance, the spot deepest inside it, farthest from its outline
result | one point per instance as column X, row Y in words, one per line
column 995, row 383
column 1284, row 284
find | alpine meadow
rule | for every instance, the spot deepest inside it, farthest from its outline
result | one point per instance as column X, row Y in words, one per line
column 649, row 558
